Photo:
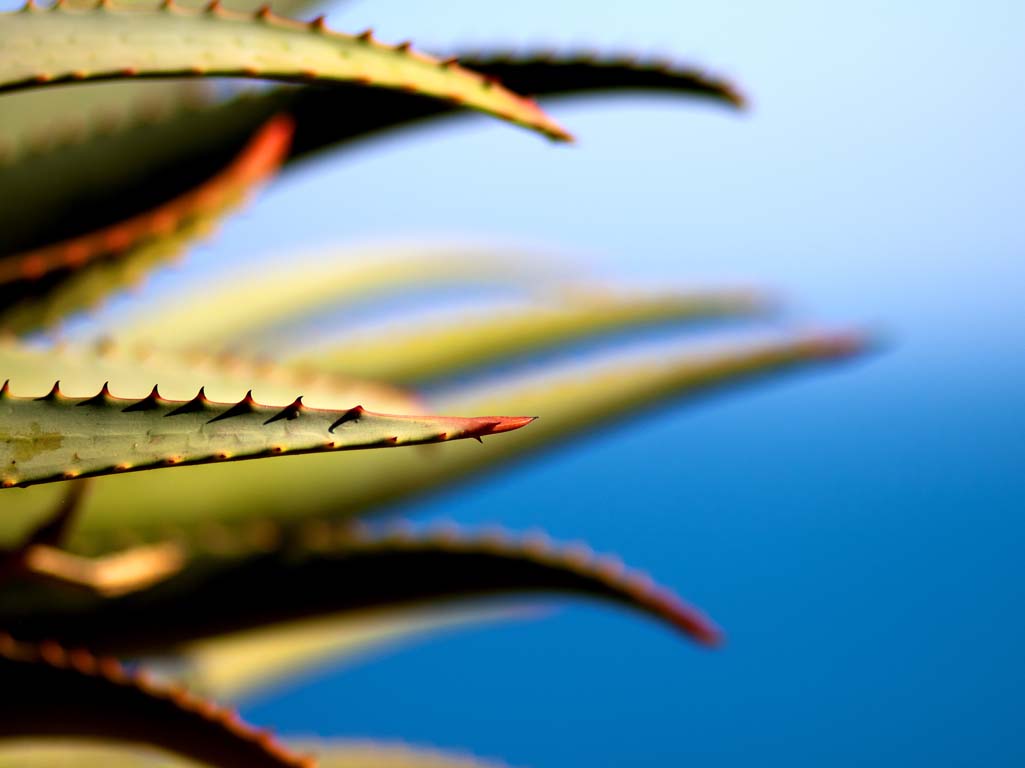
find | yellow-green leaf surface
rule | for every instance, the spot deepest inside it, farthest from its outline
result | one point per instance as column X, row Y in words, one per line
column 99, row 160
column 62, row 753
column 40, row 288
column 55, row 437
column 51, row 692
column 109, row 42
column 569, row 404
column 442, row 349
column 132, row 372
column 246, row 664
column 298, row 287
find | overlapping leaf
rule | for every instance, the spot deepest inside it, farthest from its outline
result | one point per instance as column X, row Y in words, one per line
column 51, row 692
column 108, row 42
column 41, row 287
column 328, row 572
column 99, row 176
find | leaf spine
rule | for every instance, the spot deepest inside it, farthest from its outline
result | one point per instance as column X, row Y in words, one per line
column 244, row 406
column 53, row 395
column 289, row 412
column 352, row 414
column 148, row 403
column 196, row 404
column 100, row 399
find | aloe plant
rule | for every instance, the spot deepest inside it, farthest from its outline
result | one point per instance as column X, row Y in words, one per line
column 161, row 501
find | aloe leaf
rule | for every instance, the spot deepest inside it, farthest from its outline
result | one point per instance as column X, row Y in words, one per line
column 241, row 665
column 338, row 571
column 110, row 43
column 41, row 287
column 258, row 160
column 55, row 437
column 131, row 371
column 575, row 402
column 73, row 694
column 103, row 165
column 328, row 754
column 280, row 300
column 433, row 352
column 45, row 304
column 92, row 177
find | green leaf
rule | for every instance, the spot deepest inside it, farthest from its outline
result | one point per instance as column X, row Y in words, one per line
column 56, row 693
column 432, row 352
column 570, row 404
column 40, row 287
column 54, row 437
column 296, row 288
column 260, row 578
column 246, row 664
column 112, row 43
column 329, row 754
column 131, row 371
column 100, row 173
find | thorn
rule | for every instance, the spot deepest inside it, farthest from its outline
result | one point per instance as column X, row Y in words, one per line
column 319, row 24
column 148, row 403
column 214, row 7
column 5, row 390
column 352, row 414
column 195, row 405
column 53, row 395
column 289, row 412
column 263, row 12
column 367, row 36
column 405, row 46
column 103, row 398
column 451, row 61
column 241, row 408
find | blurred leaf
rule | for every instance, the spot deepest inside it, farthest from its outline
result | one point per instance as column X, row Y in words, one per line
column 252, row 581
column 429, row 352
column 40, row 287
column 131, row 372
column 329, row 754
column 279, row 299
column 54, row 693
column 233, row 667
column 102, row 176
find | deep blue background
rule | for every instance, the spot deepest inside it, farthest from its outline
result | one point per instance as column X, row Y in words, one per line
column 857, row 532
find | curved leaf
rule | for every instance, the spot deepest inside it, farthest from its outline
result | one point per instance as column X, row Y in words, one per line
column 82, row 173
column 118, row 43
column 52, row 692
column 54, row 437
column 239, row 666
column 255, row 163
column 328, row 754
column 39, row 287
column 282, row 297
column 337, row 571
column 433, row 352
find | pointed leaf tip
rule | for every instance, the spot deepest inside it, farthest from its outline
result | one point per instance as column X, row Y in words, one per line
column 508, row 424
